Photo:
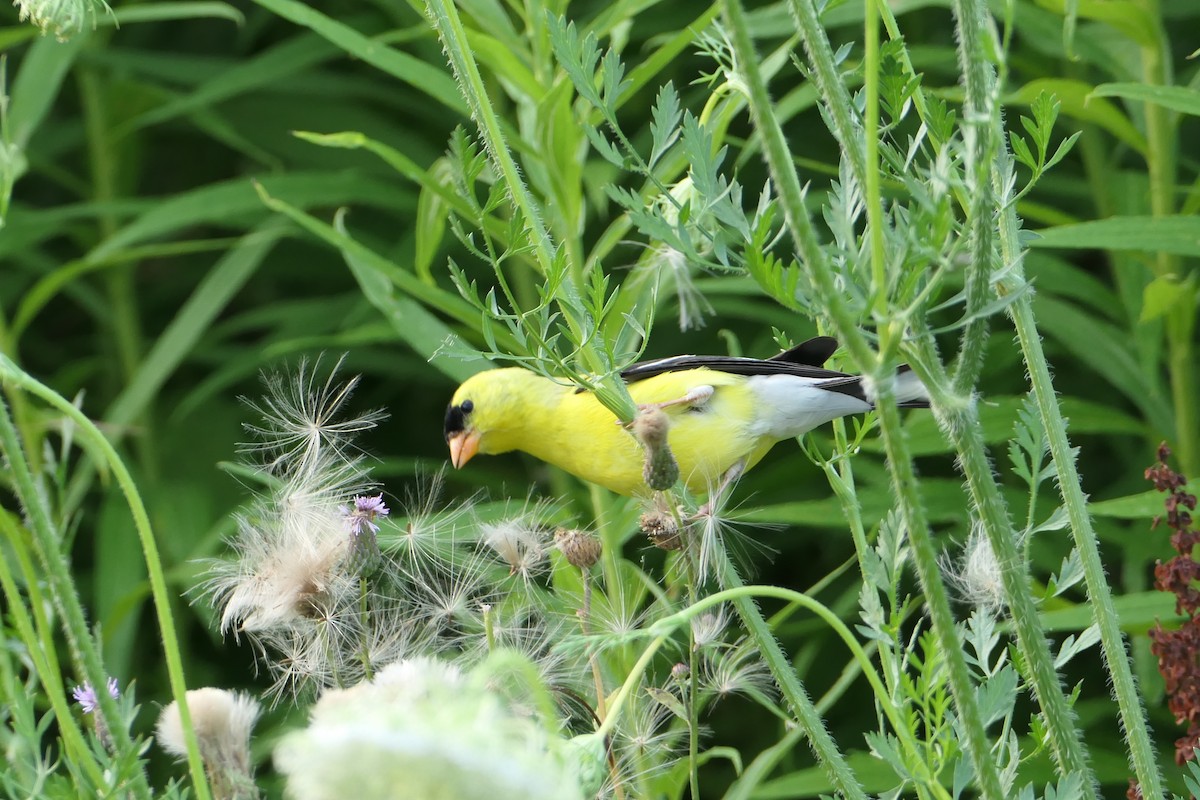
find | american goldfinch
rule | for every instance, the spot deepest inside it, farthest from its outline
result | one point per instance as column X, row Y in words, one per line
column 724, row 414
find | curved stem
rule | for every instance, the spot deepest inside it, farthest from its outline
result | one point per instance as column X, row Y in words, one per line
column 158, row 585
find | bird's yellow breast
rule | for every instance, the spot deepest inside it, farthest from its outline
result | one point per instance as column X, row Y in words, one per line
column 578, row 434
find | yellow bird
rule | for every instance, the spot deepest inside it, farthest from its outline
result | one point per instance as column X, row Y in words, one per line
column 725, row 414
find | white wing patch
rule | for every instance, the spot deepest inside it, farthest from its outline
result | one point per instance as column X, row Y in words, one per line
column 789, row 406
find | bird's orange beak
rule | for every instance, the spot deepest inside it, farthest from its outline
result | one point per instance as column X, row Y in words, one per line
column 463, row 447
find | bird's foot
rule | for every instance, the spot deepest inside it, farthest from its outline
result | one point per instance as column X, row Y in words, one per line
column 696, row 397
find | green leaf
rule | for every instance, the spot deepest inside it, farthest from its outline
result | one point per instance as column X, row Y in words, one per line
column 1164, row 293
column 1137, row 611
column 1145, row 505
column 421, row 330
column 1178, row 235
column 1077, row 102
column 203, row 306
column 1176, row 98
column 156, row 12
column 400, row 65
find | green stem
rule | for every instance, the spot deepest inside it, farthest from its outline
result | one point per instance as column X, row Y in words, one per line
column 979, row 114
column 74, row 621
column 904, row 480
column 958, row 417
column 35, row 630
column 874, row 199
column 801, row 705
column 1133, row 716
column 828, row 79
column 742, row 593
column 84, row 651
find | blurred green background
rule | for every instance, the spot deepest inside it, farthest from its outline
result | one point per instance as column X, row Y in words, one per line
column 144, row 275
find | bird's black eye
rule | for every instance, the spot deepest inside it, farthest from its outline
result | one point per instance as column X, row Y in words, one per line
column 467, row 406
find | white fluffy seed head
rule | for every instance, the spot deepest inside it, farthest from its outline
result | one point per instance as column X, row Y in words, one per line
column 975, row 576
column 519, row 542
column 222, row 721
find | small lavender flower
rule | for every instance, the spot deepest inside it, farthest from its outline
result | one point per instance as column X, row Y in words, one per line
column 364, row 544
column 85, row 695
column 366, row 510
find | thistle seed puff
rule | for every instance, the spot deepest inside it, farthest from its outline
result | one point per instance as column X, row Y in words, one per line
column 662, row 530
column 580, row 548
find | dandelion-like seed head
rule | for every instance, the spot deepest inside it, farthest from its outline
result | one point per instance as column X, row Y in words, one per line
column 302, row 416
column 223, row 721
column 661, row 529
column 709, row 628
column 975, row 576
column 737, row 669
column 519, row 542
column 581, row 549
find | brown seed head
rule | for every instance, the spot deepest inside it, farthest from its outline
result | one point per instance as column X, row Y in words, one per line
column 580, row 548
column 662, row 530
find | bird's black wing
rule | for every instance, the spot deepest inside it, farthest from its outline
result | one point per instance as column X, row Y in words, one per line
column 814, row 352
column 804, row 360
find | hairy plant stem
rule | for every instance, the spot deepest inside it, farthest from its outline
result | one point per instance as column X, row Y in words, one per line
column 958, row 417
column 828, row 80
column 35, row 630
column 1132, row 714
column 793, row 691
column 84, row 650
column 74, row 623
column 904, row 480
column 980, row 132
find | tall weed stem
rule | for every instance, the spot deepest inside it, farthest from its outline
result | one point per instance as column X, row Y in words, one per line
column 900, row 464
column 823, row 745
column 1132, row 714
column 958, row 417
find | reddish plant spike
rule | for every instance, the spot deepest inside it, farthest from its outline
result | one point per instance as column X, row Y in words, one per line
column 1178, row 651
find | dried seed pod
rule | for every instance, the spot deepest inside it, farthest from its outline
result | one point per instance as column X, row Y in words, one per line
column 580, row 548
column 662, row 529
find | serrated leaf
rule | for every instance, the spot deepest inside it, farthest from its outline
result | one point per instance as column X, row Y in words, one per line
column 998, row 694
column 1074, row 645
column 1069, row 574
column 664, row 122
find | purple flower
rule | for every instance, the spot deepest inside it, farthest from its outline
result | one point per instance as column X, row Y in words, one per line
column 85, row 695
column 362, row 517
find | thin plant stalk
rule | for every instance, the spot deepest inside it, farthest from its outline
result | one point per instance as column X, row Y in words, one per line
column 74, row 621
column 900, row 464
column 978, row 112
column 823, row 745
column 39, row 642
column 959, row 417
column 1116, row 657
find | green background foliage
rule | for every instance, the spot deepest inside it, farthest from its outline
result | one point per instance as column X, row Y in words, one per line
column 204, row 191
